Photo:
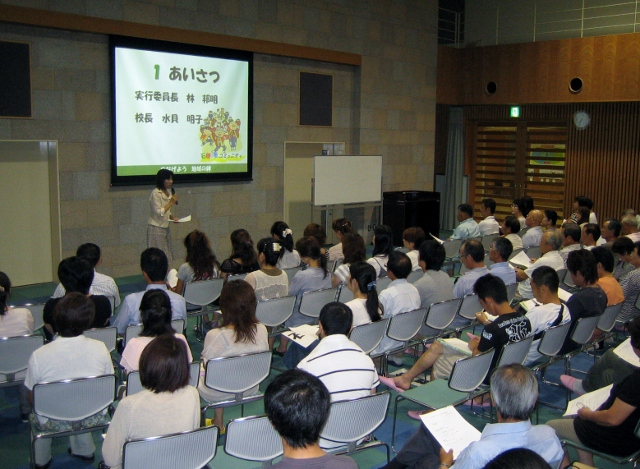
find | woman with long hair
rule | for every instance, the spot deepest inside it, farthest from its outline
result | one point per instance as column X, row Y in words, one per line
column 382, row 248
column 200, row 264
column 243, row 258
column 268, row 282
column 365, row 305
column 161, row 200
column 341, row 226
column 317, row 231
column 239, row 333
column 354, row 251
column 289, row 257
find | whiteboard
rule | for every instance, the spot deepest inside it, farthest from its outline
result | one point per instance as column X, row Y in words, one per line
column 347, row 179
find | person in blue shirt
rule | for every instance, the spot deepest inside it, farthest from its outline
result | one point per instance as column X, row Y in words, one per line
column 468, row 228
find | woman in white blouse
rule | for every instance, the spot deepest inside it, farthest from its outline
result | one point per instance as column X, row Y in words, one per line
column 160, row 201
column 362, row 283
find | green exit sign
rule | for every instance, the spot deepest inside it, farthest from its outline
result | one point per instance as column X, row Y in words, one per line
column 515, row 111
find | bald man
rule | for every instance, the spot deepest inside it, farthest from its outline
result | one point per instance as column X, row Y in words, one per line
column 534, row 234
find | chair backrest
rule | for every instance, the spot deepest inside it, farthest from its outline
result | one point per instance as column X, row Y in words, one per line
column 470, row 306
column 404, row 326
column 134, row 330
column 515, row 253
column 112, row 301
column 463, row 270
column 253, row 438
column 237, row 374
column 487, row 240
column 331, row 266
column 515, row 352
column 90, row 396
column 452, row 248
column 352, row 420
column 415, row 276
column 382, row 283
column 533, row 252
column 512, row 288
column 187, row 450
column 552, row 339
column 313, row 301
column 275, row 311
column 37, row 311
column 15, row 353
column 345, row 294
column 134, row 385
column 469, row 373
column 203, row 292
column 608, row 318
column 584, row 329
column 106, row 335
column 368, row 336
column 487, row 262
column 236, row 277
column 291, row 272
column 440, row 315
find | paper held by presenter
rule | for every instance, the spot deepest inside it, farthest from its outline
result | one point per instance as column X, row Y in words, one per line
column 183, row 219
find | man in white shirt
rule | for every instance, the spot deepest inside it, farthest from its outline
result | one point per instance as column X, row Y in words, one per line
column 590, row 236
column 499, row 253
column 489, row 225
column 549, row 246
column 630, row 228
column 509, row 229
column 468, row 228
column 571, row 234
column 609, row 232
column 534, row 234
column 435, row 285
column 154, row 265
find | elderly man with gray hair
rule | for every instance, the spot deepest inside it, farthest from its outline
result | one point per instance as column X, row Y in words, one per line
column 514, row 391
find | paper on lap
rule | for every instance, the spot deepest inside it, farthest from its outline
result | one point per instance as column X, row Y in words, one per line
column 450, row 429
column 303, row 335
column 592, row 400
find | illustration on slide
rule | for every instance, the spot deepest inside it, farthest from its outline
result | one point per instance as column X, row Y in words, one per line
column 220, row 137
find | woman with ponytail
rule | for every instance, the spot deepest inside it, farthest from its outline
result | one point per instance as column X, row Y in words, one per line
column 382, row 248
column 289, row 257
column 362, row 283
column 243, row 258
column 268, row 282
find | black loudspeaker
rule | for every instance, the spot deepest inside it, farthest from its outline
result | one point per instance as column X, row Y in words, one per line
column 403, row 209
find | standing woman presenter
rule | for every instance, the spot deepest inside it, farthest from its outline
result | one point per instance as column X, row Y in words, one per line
column 161, row 200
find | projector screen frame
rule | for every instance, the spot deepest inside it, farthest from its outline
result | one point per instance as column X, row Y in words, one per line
column 153, row 45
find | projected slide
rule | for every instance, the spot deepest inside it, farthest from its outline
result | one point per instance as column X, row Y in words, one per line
column 185, row 112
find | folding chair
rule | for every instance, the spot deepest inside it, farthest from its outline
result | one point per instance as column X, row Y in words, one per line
column 291, row 272
column 382, row 283
column 468, row 308
column 632, row 458
column 352, row 420
column 134, row 385
column 37, row 311
column 134, row 330
column 273, row 313
column 533, row 252
column 14, row 357
column 187, row 450
column 77, row 405
column 515, row 253
column 345, row 294
column 106, row 335
column 253, row 439
column 512, row 288
column 313, row 301
column 368, row 336
column 236, row 375
column 199, row 295
column 403, row 327
column 439, row 316
column 487, row 240
column 606, row 323
column 415, row 276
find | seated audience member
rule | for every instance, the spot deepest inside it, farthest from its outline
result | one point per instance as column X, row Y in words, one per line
column 610, row 427
column 606, row 281
column 571, row 234
column 529, row 205
column 365, row 305
column 101, row 284
column 70, row 356
column 590, row 236
column 514, row 392
column 155, row 312
column 268, row 282
column 609, row 232
column 76, row 274
column 549, row 246
column 153, row 263
column 200, row 264
column 534, row 234
column 587, row 203
column 548, row 312
column 316, row 231
column 518, row 458
column 412, row 238
column 400, row 296
column 509, row 229
column 488, row 225
column 435, row 285
column 243, row 258
column 590, row 300
column 519, row 211
column 629, row 253
column 472, row 257
column 166, row 405
column 583, row 216
column 289, row 257
column 549, row 220
column 353, row 250
column 501, row 249
column 382, row 248
column 468, row 228
column 510, row 326
column 341, row 226
column 630, row 228
column 239, row 333
column 297, row 405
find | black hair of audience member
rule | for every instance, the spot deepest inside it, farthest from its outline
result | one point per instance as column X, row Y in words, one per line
column 297, row 405
column 353, row 248
column 342, row 225
column 504, row 247
column 309, row 247
column 466, row 208
column 593, row 229
column 512, row 223
column 518, row 458
column 552, row 216
column 584, row 201
column 383, row 240
column 200, row 256
column 90, row 252
column 73, row 314
column 623, row 246
column 583, row 215
column 164, row 364
column 490, row 204
column 474, row 249
column 432, row 253
column 76, row 274
column 154, row 263
column 528, row 204
column 155, row 313
column 270, row 247
column 365, row 276
column 336, row 318
column 161, row 176
column 242, row 247
column 615, row 226
column 415, row 235
column 5, row 292
column 490, row 286
column 399, row 264
column 573, row 231
column 278, row 230
column 583, row 261
column 238, row 306
column 521, row 206
column 604, row 256
column 634, row 332
column 547, row 276
column 316, row 231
